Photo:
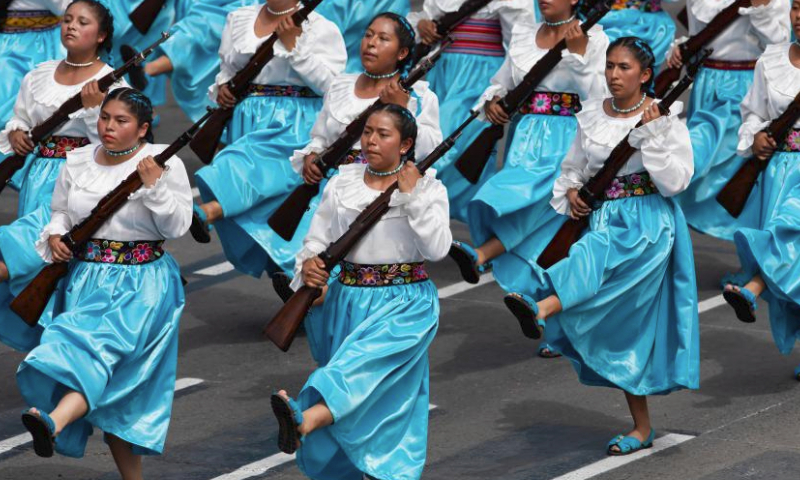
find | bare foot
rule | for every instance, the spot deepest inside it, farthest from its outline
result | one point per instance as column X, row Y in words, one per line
column 213, row 211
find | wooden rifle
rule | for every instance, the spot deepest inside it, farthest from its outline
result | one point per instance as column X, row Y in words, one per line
column 282, row 329
column 593, row 190
column 145, row 14
column 32, row 301
column 206, row 142
column 696, row 43
column 734, row 195
column 472, row 162
column 10, row 165
column 285, row 220
column 447, row 23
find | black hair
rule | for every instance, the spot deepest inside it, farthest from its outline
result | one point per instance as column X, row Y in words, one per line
column 139, row 105
column 405, row 122
column 104, row 18
column 643, row 54
column 405, row 34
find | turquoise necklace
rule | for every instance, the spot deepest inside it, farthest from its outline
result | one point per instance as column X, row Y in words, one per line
column 122, row 153
column 385, row 174
column 380, row 77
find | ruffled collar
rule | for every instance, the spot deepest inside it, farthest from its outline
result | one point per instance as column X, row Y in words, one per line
column 86, row 173
column 706, row 10
column 46, row 91
column 600, row 128
column 344, row 105
column 782, row 76
column 523, row 49
column 243, row 33
column 353, row 194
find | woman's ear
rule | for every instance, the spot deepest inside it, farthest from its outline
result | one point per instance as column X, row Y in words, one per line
column 143, row 129
column 405, row 145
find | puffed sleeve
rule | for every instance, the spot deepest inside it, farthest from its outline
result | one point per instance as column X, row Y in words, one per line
column 56, row 6
column 501, row 83
column 428, row 212
column 427, row 13
column 588, row 69
column 319, row 54
column 666, row 153
column 20, row 120
column 320, row 234
column 426, row 109
column 169, row 200
column 514, row 12
column 60, row 221
column 770, row 22
column 226, row 70
column 572, row 175
column 755, row 115
column 322, row 135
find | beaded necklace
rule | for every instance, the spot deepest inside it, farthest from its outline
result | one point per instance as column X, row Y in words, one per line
column 384, row 174
column 122, row 153
column 380, row 77
column 562, row 22
column 628, row 110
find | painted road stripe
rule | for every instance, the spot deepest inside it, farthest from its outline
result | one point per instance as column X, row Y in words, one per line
column 460, row 287
column 25, row 438
column 711, row 303
column 216, row 270
column 611, row 463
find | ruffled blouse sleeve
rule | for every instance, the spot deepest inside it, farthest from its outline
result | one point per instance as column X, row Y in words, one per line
column 169, row 200
column 226, row 69
column 60, row 221
column 320, row 234
column 20, row 120
column 667, row 154
column 588, row 68
column 501, row 83
column 426, row 109
column 770, row 22
column 572, row 175
column 425, row 14
column 428, row 211
column 57, row 6
column 755, row 113
column 321, row 137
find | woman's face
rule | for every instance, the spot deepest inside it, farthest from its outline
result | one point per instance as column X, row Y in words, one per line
column 556, row 9
column 380, row 47
column 80, row 29
column 118, row 128
column 624, row 73
column 381, row 142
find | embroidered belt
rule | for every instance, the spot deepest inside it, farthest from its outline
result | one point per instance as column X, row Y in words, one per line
column 121, row 253
column 354, row 156
column 58, row 146
column 256, row 90
column 478, row 37
column 729, row 65
column 357, row 275
column 633, row 185
column 552, row 103
column 651, row 6
column 24, row 21
column 791, row 143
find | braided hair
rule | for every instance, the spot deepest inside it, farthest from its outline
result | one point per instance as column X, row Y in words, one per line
column 138, row 104
column 643, row 54
column 406, row 36
column 406, row 123
column 104, row 18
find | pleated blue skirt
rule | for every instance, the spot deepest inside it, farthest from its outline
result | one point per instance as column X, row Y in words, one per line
column 36, row 181
column 771, row 248
column 115, row 340
column 353, row 17
column 371, row 344
column 655, row 28
column 250, row 179
column 459, row 80
column 714, row 120
column 629, row 295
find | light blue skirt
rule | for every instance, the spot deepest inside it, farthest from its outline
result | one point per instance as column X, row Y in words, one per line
column 459, row 80
column 629, row 295
column 371, row 344
column 714, row 120
column 36, row 181
column 353, row 17
column 771, row 248
column 19, row 54
column 655, row 28
column 115, row 340
column 252, row 177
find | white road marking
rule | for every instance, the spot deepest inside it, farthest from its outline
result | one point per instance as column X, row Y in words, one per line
column 25, row 438
column 460, row 287
column 610, row 463
column 215, row 270
column 711, row 303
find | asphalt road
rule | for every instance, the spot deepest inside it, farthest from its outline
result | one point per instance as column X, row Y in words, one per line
column 498, row 411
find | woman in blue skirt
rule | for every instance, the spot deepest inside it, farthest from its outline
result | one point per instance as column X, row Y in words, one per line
column 713, row 113
column 768, row 250
column 365, row 409
column 463, row 73
column 511, row 214
column 29, row 35
column 107, row 358
column 644, row 19
column 239, row 188
column 623, row 305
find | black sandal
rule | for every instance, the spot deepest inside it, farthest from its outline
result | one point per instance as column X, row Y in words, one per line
column 42, row 429
column 289, row 416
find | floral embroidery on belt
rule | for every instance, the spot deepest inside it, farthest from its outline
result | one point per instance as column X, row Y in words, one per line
column 633, row 185
column 256, row 90
column 121, row 253
column 552, row 103
column 642, row 5
column 792, row 141
column 58, row 146
column 354, row 274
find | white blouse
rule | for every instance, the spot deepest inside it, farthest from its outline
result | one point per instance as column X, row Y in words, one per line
column 40, row 96
column 163, row 211
column 664, row 150
column 55, row 6
column 341, row 106
column 416, row 227
column 581, row 74
column 508, row 12
column 747, row 37
column 775, row 85
column 318, row 56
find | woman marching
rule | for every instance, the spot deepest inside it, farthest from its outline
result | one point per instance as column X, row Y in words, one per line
column 768, row 251
column 239, row 188
column 107, row 358
column 462, row 74
column 521, row 222
column 713, row 114
column 365, row 409
column 251, row 245
column 623, row 305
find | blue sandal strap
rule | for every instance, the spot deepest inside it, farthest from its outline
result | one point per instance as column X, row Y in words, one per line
column 201, row 214
column 51, row 425
column 297, row 412
column 466, row 247
column 750, row 297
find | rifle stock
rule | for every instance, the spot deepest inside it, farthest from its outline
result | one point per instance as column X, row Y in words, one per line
column 207, row 140
column 30, row 306
column 145, row 14
column 8, row 168
column 471, row 163
column 558, row 248
column 733, row 196
column 285, row 220
column 283, row 327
